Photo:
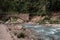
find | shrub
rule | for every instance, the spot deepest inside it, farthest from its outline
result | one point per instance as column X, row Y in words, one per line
column 21, row 35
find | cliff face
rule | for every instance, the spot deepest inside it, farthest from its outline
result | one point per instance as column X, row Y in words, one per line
column 4, row 34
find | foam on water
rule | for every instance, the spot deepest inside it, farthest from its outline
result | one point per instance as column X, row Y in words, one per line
column 41, row 29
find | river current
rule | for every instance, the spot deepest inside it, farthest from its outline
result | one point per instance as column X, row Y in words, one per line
column 50, row 33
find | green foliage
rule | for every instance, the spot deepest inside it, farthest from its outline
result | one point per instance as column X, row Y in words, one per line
column 53, row 5
column 54, row 21
column 49, row 21
column 42, row 22
column 34, row 7
column 4, row 19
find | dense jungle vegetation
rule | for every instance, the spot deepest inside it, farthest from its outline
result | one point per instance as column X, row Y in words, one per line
column 37, row 7
column 32, row 7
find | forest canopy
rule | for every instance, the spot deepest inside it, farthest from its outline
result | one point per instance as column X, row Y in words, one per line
column 23, row 6
column 35, row 7
column 53, row 5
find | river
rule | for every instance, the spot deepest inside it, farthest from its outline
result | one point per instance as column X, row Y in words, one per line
column 50, row 33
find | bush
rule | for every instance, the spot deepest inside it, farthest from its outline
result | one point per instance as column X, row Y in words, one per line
column 33, row 7
column 4, row 19
column 41, row 22
column 21, row 35
column 49, row 21
column 54, row 22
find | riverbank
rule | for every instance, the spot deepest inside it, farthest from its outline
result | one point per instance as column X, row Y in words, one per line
column 33, row 31
column 56, row 25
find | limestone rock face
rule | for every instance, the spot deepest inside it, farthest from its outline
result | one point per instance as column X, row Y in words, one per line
column 4, row 35
column 20, row 20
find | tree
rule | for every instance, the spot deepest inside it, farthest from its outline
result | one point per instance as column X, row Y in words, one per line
column 34, row 7
column 53, row 5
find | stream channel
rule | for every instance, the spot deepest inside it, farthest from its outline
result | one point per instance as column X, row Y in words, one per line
column 49, row 33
